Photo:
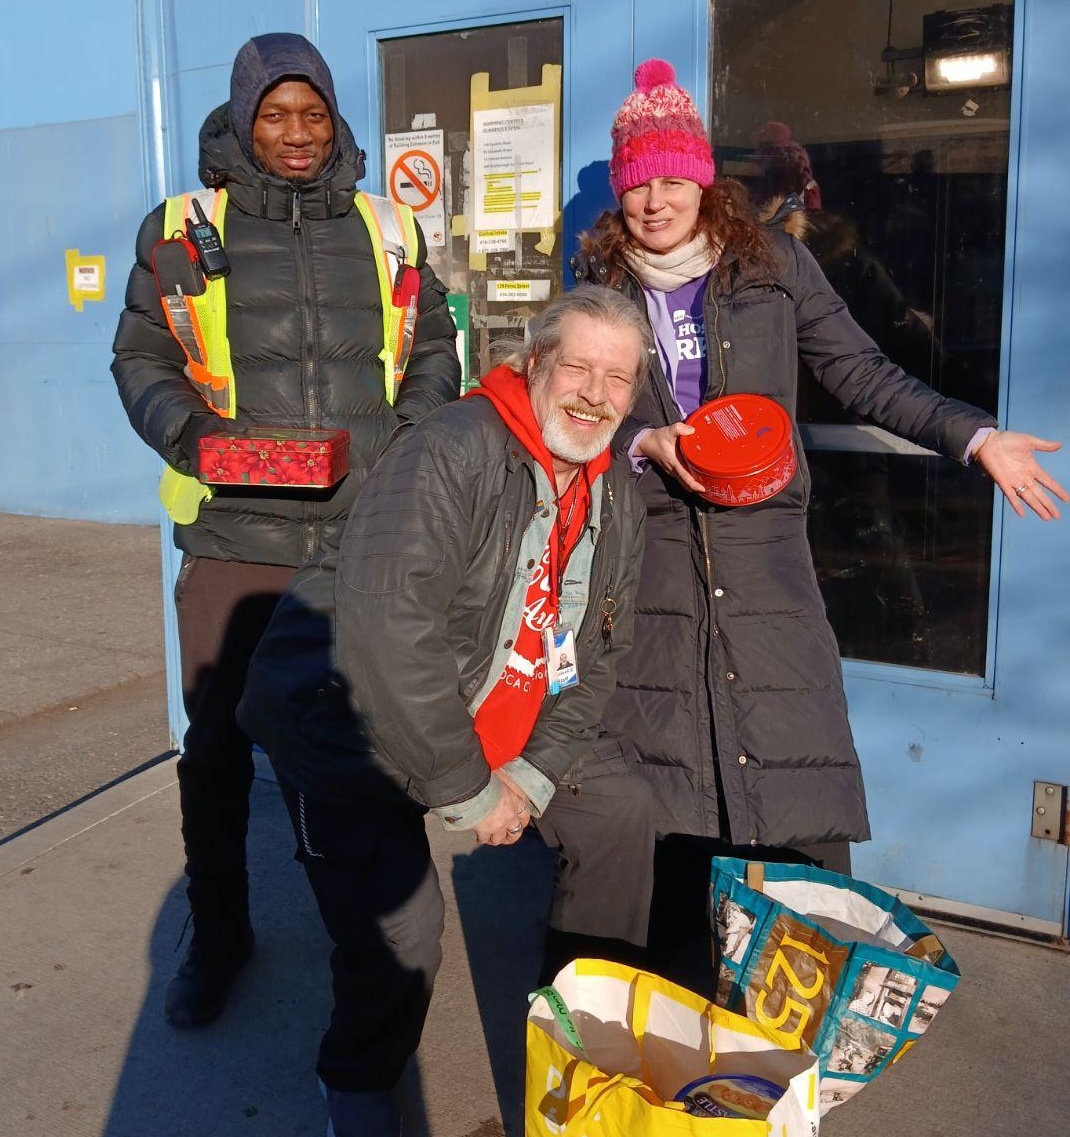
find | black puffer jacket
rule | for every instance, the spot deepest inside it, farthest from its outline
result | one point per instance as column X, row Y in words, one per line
column 733, row 693
column 305, row 324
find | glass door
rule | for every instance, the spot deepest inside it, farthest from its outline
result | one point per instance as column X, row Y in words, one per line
column 471, row 128
column 899, row 176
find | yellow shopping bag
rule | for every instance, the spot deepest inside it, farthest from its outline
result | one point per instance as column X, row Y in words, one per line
column 609, row 1048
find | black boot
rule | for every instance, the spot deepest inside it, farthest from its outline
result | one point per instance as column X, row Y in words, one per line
column 221, row 946
column 200, row 987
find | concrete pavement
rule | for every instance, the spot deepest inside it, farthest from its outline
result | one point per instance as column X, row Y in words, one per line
column 82, row 700
column 91, row 913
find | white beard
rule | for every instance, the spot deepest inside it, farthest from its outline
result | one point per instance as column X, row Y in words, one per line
column 563, row 443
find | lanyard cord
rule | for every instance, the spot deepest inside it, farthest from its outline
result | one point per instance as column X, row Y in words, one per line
column 559, row 558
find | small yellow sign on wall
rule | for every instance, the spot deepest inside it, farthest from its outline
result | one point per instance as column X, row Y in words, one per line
column 85, row 278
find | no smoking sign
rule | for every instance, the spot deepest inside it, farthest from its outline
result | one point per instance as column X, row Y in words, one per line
column 416, row 180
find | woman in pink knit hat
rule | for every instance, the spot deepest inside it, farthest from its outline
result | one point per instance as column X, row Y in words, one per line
column 731, row 702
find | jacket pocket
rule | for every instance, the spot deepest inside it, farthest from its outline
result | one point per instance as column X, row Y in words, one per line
column 759, row 344
column 611, row 754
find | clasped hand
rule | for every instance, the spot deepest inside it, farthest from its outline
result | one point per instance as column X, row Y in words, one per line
column 507, row 820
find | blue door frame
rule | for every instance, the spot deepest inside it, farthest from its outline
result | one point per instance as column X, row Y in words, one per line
column 949, row 762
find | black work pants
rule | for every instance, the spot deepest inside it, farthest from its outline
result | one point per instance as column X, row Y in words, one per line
column 370, row 868
column 223, row 608
column 621, row 892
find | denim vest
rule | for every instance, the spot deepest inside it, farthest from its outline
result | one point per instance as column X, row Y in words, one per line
column 575, row 588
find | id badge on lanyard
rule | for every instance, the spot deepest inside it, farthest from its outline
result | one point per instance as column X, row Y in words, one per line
column 559, row 640
column 559, row 643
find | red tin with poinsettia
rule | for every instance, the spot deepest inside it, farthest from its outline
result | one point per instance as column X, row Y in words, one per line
column 283, row 456
column 742, row 450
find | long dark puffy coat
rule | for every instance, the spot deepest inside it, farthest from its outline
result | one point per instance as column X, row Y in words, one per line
column 305, row 324
column 733, row 693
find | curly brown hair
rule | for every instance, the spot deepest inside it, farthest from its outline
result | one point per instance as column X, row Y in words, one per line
column 726, row 216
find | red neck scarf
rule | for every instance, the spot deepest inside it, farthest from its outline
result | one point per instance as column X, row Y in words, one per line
column 507, row 716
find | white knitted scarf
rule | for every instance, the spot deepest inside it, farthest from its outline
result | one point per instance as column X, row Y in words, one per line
column 668, row 271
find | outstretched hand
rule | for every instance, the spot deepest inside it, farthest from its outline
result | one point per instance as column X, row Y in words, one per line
column 659, row 445
column 1007, row 458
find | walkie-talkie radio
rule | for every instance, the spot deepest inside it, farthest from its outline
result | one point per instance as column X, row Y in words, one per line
column 204, row 237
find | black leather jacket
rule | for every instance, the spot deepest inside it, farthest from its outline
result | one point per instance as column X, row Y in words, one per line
column 427, row 560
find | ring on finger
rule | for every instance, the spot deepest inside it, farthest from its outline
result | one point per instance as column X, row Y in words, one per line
column 1020, row 490
column 514, row 832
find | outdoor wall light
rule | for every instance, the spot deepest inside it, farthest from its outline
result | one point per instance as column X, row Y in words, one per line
column 967, row 48
column 964, row 49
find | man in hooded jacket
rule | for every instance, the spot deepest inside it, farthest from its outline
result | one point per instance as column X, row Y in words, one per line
column 305, row 329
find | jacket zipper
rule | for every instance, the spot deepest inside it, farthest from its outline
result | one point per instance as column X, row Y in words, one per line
column 600, row 590
column 720, row 350
column 707, row 557
column 310, row 395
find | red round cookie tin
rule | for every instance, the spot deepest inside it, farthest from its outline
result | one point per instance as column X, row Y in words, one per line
column 741, row 451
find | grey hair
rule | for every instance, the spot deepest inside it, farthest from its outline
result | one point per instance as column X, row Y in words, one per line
column 543, row 339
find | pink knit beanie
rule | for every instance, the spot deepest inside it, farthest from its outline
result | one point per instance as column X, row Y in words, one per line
column 658, row 133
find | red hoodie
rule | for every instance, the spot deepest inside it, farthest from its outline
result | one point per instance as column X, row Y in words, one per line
column 507, row 716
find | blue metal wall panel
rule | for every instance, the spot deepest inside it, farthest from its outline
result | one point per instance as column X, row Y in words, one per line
column 950, row 773
column 69, row 60
column 67, row 449
column 74, row 151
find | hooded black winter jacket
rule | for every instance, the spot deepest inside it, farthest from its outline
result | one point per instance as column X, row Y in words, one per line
column 305, row 324
column 733, row 693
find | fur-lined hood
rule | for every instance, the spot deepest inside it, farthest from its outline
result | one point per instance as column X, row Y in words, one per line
column 787, row 213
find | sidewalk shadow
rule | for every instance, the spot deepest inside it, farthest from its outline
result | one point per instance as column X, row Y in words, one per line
column 503, row 897
column 252, row 1071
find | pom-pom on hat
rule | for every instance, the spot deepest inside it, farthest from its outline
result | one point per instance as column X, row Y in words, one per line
column 658, row 133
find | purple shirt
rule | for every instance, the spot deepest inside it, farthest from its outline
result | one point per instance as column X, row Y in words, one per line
column 679, row 328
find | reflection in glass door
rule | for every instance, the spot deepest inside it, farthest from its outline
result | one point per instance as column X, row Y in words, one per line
column 472, row 141
column 890, row 136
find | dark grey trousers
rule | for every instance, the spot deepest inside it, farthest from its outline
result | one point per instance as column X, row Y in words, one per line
column 603, row 834
column 624, row 893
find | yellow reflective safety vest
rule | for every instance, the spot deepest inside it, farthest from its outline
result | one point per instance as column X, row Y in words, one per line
column 199, row 325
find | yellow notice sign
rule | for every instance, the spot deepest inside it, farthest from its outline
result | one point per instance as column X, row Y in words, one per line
column 516, row 166
column 85, row 278
column 502, row 291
